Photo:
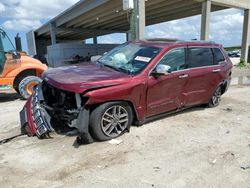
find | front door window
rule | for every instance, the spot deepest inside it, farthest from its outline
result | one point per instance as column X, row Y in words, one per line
column 175, row 59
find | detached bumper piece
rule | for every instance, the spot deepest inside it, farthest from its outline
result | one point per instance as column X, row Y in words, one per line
column 34, row 118
column 37, row 117
column 40, row 116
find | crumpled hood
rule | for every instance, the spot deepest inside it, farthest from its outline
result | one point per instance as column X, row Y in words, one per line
column 79, row 78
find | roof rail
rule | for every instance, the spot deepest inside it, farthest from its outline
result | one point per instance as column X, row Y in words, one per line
column 197, row 41
column 163, row 39
column 178, row 40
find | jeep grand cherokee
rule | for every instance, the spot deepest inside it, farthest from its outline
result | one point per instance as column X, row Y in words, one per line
column 133, row 83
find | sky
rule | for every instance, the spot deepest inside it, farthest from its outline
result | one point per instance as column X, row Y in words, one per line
column 21, row 16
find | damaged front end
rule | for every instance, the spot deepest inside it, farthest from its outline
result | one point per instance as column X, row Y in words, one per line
column 50, row 109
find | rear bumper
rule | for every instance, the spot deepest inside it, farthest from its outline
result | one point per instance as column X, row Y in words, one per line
column 34, row 118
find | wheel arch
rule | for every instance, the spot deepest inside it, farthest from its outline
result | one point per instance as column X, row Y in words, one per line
column 130, row 103
column 223, row 87
column 21, row 73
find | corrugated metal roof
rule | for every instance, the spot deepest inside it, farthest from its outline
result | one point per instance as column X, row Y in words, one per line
column 90, row 18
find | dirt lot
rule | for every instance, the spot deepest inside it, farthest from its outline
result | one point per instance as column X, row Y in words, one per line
column 199, row 147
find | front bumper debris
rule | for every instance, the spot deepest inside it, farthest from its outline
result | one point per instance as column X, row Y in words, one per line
column 34, row 118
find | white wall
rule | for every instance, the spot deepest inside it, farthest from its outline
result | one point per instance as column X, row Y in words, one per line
column 61, row 52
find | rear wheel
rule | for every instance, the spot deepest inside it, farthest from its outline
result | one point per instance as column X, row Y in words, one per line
column 216, row 97
column 27, row 84
column 110, row 120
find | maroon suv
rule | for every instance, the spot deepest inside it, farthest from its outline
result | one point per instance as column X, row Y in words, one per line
column 133, row 83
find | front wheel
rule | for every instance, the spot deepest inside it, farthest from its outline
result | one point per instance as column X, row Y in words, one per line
column 110, row 120
column 27, row 84
column 216, row 97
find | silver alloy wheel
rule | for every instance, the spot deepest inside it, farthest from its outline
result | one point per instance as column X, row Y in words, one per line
column 114, row 121
column 216, row 96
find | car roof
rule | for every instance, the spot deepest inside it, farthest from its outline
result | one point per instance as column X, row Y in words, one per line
column 165, row 43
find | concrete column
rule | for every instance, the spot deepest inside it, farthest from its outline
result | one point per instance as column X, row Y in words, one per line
column 140, row 26
column 205, row 19
column 127, row 36
column 245, row 36
column 133, row 22
column 52, row 33
column 95, row 40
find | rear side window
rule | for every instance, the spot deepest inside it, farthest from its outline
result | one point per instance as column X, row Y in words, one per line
column 200, row 57
column 218, row 56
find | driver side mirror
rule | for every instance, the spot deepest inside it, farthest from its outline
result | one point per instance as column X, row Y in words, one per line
column 161, row 70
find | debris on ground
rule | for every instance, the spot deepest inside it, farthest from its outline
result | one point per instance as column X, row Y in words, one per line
column 115, row 141
column 83, row 139
column 4, row 141
column 157, row 168
column 228, row 109
column 245, row 167
column 214, row 161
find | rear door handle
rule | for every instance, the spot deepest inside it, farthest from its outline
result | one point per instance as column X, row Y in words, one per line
column 183, row 76
column 216, row 70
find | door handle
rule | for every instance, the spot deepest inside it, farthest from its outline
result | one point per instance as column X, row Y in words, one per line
column 216, row 70
column 183, row 76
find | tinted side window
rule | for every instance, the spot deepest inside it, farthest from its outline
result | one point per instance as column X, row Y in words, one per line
column 218, row 56
column 200, row 57
column 175, row 59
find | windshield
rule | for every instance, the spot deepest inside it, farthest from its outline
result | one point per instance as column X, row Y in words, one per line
column 129, row 58
column 5, row 43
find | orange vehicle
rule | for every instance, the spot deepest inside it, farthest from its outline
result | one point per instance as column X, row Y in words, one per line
column 18, row 71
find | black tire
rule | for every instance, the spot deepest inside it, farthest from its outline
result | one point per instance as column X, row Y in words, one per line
column 24, row 85
column 17, row 90
column 216, row 98
column 99, row 115
column 16, row 84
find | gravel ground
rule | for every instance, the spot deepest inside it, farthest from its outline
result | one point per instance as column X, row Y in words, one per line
column 199, row 147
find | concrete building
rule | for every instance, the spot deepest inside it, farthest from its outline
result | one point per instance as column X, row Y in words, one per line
column 93, row 18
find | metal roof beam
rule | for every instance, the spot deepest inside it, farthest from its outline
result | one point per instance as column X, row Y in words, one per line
column 82, row 8
column 178, row 15
column 90, row 30
column 242, row 4
column 153, row 7
column 151, row 15
column 100, row 11
column 77, row 10
column 101, row 18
